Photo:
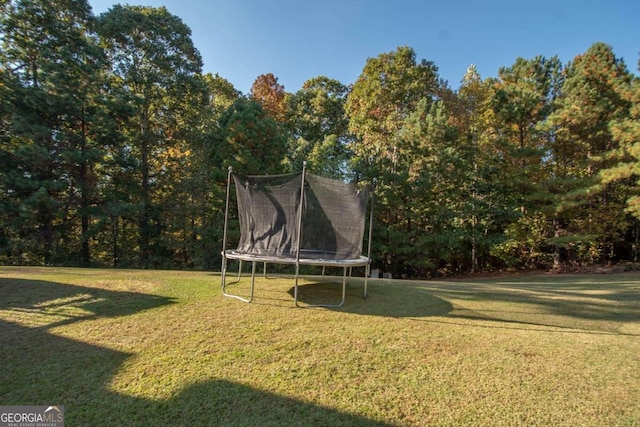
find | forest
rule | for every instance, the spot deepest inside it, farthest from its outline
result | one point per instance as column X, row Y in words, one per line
column 114, row 149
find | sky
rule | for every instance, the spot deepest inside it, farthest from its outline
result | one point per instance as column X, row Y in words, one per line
column 297, row 40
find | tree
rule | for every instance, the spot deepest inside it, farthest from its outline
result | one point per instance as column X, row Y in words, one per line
column 271, row 95
column 388, row 90
column 624, row 167
column 154, row 60
column 391, row 88
column 625, row 156
column 318, row 127
column 438, row 180
column 251, row 141
column 483, row 215
column 203, row 183
column 523, row 99
column 222, row 94
column 589, row 103
column 521, row 104
column 51, row 80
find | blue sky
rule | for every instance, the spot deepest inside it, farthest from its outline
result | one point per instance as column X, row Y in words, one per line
column 297, row 40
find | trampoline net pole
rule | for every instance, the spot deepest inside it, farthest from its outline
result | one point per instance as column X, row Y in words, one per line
column 368, row 266
column 223, row 268
column 299, row 232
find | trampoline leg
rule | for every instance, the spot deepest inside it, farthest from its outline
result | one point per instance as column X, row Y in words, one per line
column 239, row 269
column 295, row 287
column 344, row 286
column 223, row 272
column 253, row 280
column 367, row 271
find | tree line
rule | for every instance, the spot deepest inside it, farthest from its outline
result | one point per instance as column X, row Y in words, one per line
column 115, row 146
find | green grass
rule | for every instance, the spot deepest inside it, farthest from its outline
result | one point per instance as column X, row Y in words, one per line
column 122, row 347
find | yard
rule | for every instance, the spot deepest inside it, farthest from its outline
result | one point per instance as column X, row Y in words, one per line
column 135, row 347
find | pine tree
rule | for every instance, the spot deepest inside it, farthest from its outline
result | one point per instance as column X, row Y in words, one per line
column 589, row 103
column 51, row 74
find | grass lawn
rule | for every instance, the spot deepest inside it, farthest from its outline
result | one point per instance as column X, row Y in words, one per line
column 165, row 348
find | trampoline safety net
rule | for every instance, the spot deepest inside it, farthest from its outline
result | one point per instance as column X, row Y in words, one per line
column 332, row 221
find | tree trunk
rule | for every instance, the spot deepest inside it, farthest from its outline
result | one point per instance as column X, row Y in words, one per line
column 145, row 197
column 557, row 256
column 85, row 200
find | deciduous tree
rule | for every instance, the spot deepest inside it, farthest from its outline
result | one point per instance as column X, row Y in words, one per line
column 391, row 88
column 271, row 95
column 318, row 127
column 154, row 60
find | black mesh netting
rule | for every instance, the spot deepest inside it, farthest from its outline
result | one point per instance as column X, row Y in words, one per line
column 333, row 219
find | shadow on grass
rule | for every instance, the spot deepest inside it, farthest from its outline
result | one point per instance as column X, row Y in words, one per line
column 41, row 368
column 44, row 369
column 48, row 304
column 384, row 300
column 570, row 304
column 224, row 403
column 573, row 304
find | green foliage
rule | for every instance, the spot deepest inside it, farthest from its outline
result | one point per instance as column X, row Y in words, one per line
column 317, row 127
column 114, row 149
column 51, row 87
column 625, row 157
column 251, row 141
column 590, row 102
column 525, row 243
column 388, row 90
column 393, row 92
column 153, row 60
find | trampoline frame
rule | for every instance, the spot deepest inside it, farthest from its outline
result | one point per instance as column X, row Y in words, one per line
column 230, row 254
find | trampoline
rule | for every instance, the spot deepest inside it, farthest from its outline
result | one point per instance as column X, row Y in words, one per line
column 298, row 219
